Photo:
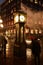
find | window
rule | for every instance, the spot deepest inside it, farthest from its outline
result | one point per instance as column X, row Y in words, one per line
column 31, row 0
column 36, row 31
column 40, row 31
column 31, row 31
column 9, row 1
column 36, row 1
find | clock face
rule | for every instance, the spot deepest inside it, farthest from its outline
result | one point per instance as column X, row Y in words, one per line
column 22, row 18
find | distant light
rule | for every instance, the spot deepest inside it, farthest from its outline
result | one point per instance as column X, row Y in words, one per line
column 31, row 0
column 1, row 25
column 36, row 31
column 36, row 2
column 28, row 53
column 40, row 31
column 32, row 31
column 42, row 5
column 1, row 20
column 28, row 41
column 38, row 39
column 7, row 49
column 26, row 30
column 9, row 1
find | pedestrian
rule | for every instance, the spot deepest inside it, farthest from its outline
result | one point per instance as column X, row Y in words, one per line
column 36, row 50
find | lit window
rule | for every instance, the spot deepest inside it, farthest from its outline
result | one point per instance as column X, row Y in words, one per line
column 9, row 1
column 42, row 5
column 28, row 53
column 39, row 2
column 36, row 1
column 1, row 25
column 11, row 11
column 39, row 22
column 40, row 31
column 11, row 31
column 36, row 31
column 26, row 30
column 31, row 0
column 32, row 31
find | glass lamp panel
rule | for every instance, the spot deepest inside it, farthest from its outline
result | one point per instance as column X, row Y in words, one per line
column 16, row 19
column 22, row 18
column 19, row 17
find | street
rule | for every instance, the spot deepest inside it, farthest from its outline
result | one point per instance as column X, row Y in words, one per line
column 14, row 60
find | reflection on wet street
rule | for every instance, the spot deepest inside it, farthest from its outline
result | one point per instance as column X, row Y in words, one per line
column 13, row 60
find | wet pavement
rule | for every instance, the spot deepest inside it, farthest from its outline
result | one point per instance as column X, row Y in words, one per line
column 11, row 59
column 17, row 61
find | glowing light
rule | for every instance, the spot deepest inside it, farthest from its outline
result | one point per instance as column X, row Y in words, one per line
column 26, row 30
column 1, row 25
column 22, row 18
column 28, row 53
column 36, row 31
column 36, row 2
column 38, row 39
column 28, row 41
column 40, row 31
column 16, row 19
column 7, row 49
column 1, row 21
column 31, row 0
column 32, row 31
column 6, row 32
column 19, row 17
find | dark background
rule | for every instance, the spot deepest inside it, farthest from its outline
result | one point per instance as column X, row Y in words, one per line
column 1, row 1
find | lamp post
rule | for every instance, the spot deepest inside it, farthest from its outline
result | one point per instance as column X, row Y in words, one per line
column 19, row 21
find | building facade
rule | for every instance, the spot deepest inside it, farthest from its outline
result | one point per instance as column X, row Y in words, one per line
column 9, row 7
column 33, row 8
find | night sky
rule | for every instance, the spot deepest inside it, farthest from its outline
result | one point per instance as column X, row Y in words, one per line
column 1, row 1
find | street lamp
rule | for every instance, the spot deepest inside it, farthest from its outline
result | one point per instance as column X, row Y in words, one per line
column 19, row 21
